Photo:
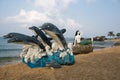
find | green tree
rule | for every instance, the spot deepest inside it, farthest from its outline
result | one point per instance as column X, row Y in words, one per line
column 111, row 34
column 118, row 35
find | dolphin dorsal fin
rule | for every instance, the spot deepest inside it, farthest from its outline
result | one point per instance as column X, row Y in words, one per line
column 63, row 30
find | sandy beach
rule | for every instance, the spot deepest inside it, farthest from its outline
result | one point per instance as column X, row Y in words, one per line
column 98, row 65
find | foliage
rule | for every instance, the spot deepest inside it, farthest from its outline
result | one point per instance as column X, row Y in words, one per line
column 118, row 35
column 111, row 34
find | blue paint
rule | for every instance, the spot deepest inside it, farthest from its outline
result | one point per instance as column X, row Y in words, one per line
column 66, row 60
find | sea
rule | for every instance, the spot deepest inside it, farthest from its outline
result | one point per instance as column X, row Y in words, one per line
column 9, row 52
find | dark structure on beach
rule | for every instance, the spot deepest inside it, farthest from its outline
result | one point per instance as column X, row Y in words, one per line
column 99, row 38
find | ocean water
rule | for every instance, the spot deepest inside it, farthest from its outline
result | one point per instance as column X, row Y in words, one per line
column 103, row 44
column 14, row 50
column 10, row 51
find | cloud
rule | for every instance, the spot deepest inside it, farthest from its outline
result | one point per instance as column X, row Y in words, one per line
column 51, row 4
column 33, row 17
column 71, row 23
column 46, row 4
column 66, row 3
column 54, row 8
column 51, row 13
column 28, row 17
column 68, row 23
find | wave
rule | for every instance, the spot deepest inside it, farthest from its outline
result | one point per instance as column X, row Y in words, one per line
column 10, row 49
column 15, row 57
column 9, row 60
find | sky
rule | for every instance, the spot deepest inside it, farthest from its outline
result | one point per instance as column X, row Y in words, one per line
column 91, row 17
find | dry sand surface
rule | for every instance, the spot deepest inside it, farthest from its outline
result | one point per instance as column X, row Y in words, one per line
column 98, row 65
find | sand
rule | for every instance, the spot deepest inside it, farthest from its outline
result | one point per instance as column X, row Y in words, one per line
column 98, row 65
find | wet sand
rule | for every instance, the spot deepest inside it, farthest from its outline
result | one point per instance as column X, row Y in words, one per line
column 98, row 65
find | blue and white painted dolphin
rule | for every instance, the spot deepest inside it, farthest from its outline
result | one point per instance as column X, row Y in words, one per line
column 41, row 36
column 19, row 38
column 56, row 34
column 31, row 53
column 63, row 55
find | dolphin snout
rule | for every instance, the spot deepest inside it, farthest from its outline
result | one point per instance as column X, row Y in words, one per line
column 6, row 36
column 30, row 27
column 33, row 27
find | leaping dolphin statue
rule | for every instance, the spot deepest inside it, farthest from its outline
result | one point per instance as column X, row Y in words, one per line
column 41, row 36
column 55, row 33
column 23, row 39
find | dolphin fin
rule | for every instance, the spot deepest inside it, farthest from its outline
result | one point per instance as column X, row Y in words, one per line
column 63, row 30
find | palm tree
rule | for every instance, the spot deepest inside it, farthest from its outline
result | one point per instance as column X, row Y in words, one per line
column 118, row 35
column 111, row 34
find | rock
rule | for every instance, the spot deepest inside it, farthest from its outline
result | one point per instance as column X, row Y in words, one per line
column 117, row 44
column 53, row 64
column 82, row 49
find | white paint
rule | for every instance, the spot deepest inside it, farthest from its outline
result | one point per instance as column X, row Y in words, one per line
column 57, row 40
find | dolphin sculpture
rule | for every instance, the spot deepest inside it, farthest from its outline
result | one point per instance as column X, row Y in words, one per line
column 56, row 34
column 23, row 39
column 41, row 36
